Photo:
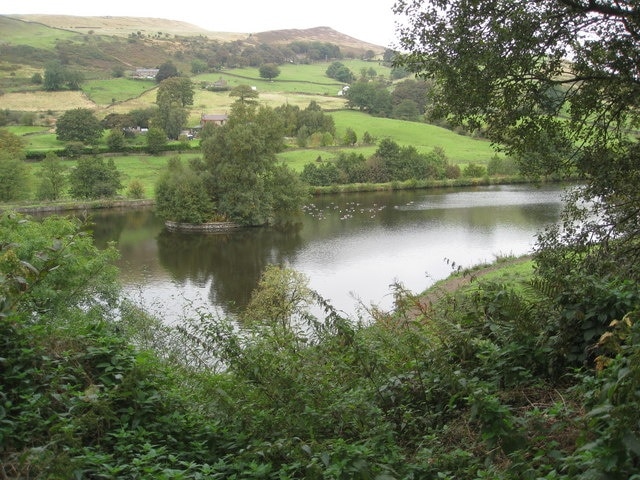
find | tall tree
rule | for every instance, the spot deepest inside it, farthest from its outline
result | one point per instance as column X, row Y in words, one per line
column 54, row 76
column 53, row 178
column 181, row 195
column 173, row 98
column 240, row 158
column 14, row 173
column 554, row 83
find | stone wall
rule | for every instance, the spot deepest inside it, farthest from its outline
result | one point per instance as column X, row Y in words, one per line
column 212, row 227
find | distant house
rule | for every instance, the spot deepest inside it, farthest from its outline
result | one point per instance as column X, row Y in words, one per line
column 215, row 118
column 145, row 73
column 220, row 83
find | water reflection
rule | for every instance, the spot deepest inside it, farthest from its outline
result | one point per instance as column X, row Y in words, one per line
column 359, row 243
column 230, row 263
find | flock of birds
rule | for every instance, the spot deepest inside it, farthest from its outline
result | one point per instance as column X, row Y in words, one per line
column 344, row 212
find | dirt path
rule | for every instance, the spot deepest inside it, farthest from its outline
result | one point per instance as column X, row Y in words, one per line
column 465, row 277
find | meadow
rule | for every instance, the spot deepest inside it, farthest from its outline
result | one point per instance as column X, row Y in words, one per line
column 296, row 85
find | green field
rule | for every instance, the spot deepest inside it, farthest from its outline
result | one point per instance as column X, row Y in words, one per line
column 106, row 92
column 16, row 32
column 297, row 84
column 459, row 148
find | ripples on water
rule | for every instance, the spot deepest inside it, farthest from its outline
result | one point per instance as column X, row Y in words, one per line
column 350, row 246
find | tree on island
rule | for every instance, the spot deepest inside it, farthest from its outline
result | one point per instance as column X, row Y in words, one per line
column 181, row 195
column 245, row 181
column 555, row 84
column 238, row 179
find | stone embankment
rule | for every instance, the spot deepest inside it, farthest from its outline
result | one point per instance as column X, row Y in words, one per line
column 212, row 227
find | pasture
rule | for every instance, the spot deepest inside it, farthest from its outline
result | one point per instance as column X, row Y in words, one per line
column 35, row 35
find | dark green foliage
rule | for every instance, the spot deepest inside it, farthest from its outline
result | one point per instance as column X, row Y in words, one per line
column 245, row 94
column 316, row 51
column 370, row 96
column 584, row 307
column 391, row 162
column 118, row 121
column 320, row 174
column 115, row 140
column 474, row 171
column 53, row 178
column 14, row 177
column 550, row 84
column 181, row 195
column 410, row 93
column 174, row 96
column 459, row 388
column 338, row 71
column 269, row 71
column 54, row 76
column 79, row 124
column 141, row 116
column 156, row 140
column 14, row 173
column 350, row 137
column 166, row 70
column 611, row 449
column 94, row 178
column 240, row 159
column 502, row 166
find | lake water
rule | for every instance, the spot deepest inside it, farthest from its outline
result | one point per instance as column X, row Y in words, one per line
column 352, row 247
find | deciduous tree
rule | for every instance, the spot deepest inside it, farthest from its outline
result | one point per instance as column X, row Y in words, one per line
column 181, row 195
column 53, row 178
column 79, row 124
column 53, row 76
column 245, row 94
column 14, row 173
column 555, row 84
column 240, row 158
column 269, row 71
column 173, row 98
column 166, row 70
column 93, row 178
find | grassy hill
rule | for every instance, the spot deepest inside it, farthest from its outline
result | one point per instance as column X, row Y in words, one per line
column 97, row 45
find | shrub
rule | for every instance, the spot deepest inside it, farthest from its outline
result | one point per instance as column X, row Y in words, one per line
column 93, row 178
column 135, row 190
column 474, row 171
column 115, row 140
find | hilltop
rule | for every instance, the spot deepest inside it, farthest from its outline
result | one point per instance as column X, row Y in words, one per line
column 127, row 26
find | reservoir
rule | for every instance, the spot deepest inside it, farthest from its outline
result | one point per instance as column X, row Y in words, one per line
column 352, row 247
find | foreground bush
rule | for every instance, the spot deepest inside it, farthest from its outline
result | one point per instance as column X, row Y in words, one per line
column 468, row 387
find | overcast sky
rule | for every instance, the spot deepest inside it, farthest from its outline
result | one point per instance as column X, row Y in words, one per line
column 369, row 20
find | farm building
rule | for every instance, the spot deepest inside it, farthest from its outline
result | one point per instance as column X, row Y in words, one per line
column 145, row 73
column 215, row 118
